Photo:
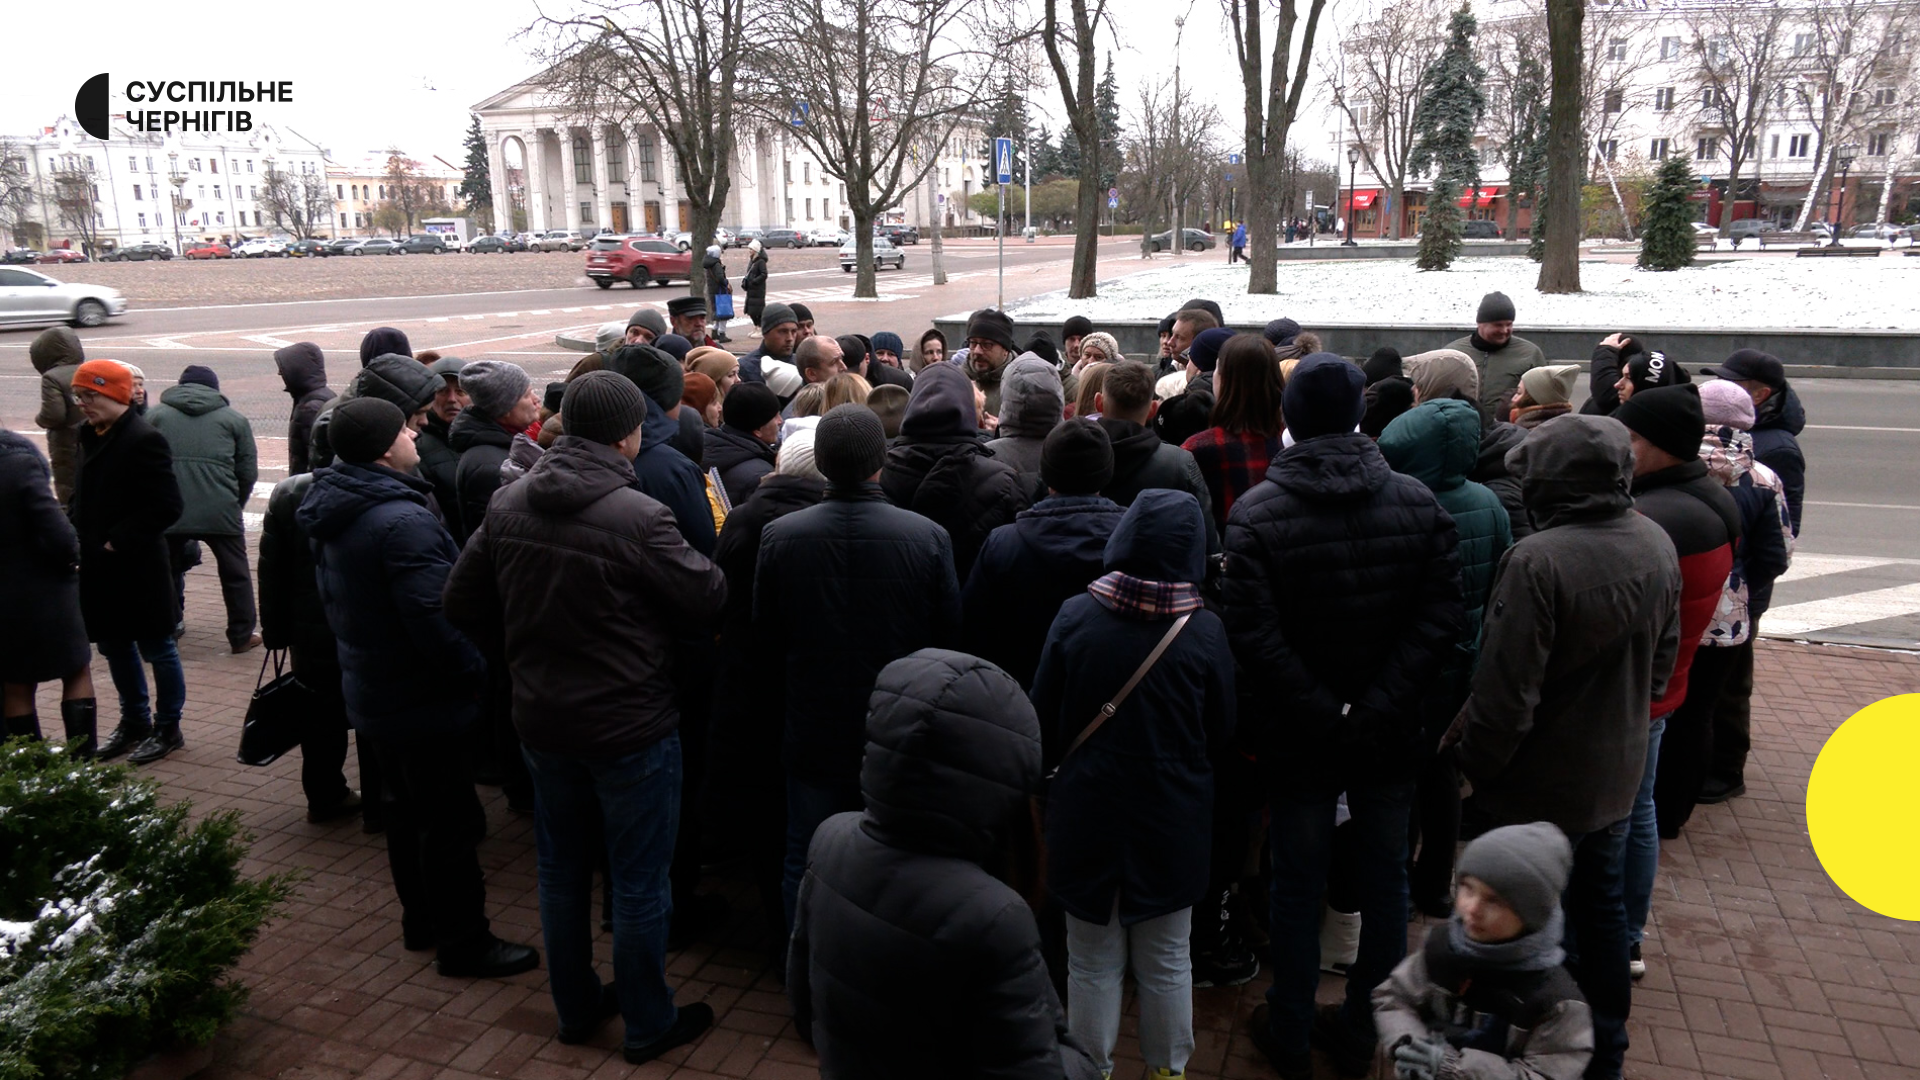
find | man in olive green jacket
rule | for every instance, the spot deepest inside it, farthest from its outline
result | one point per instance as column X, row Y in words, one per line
column 216, row 464
column 1501, row 357
column 56, row 355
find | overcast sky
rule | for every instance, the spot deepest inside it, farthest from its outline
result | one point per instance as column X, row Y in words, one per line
column 369, row 75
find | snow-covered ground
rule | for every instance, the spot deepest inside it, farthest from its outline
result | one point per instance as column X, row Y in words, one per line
column 1760, row 293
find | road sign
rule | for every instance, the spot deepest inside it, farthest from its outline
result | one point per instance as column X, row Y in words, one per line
column 799, row 116
column 1233, row 159
column 1229, row 178
column 1113, row 203
column 1310, row 203
column 1113, row 193
column 1003, row 160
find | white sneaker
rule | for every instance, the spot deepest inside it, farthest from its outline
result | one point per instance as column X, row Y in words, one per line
column 1636, row 967
column 1339, row 941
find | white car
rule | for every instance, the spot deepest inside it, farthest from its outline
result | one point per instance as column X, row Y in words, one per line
column 883, row 253
column 825, row 237
column 30, row 297
column 261, row 248
column 684, row 239
column 559, row 240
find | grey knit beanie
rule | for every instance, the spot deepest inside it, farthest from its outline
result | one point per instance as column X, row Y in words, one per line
column 494, row 385
column 1527, row 865
column 849, row 445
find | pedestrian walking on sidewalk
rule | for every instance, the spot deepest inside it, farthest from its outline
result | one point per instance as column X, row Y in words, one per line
column 216, row 463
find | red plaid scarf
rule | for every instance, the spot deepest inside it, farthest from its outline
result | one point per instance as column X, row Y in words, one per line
column 1124, row 594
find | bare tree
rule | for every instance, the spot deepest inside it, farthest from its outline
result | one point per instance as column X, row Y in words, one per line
column 677, row 65
column 1271, row 108
column 16, row 191
column 1168, row 156
column 316, row 204
column 1616, row 50
column 1845, row 55
column 1560, row 265
column 877, row 78
column 1736, row 59
column 1516, row 106
column 1891, row 127
column 70, row 189
column 1376, row 75
column 1079, row 93
column 410, row 193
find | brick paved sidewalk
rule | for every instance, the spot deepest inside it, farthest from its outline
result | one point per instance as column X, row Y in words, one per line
column 1758, row 967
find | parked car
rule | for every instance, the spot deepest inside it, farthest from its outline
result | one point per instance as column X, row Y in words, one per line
column 343, row 245
column 901, row 234
column 141, row 252
column 29, row 296
column 379, row 245
column 1480, row 230
column 208, row 249
column 825, row 237
column 1821, row 230
column 19, row 257
column 1747, row 229
column 637, row 260
column 261, row 249
column 62, row 255
column 1877, row 231
column 424, row 244
column 786, row 238
column 1702, row 228
column 1194, row 239
column 309, row 246
column 743, row 237
column 559, row 240
column 883, row 253
column 488, row 245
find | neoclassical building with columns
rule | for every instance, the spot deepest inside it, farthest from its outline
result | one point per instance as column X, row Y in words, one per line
column 566, row 172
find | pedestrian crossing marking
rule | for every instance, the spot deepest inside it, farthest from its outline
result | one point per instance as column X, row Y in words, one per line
column 1811, row 566
column 1796, row 620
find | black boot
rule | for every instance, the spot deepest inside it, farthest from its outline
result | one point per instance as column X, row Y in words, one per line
column 166, row 738
column 123, row 738
column 24, row 727
column 82, row 724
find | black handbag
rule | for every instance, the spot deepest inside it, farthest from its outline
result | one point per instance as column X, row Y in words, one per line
column 279, row 715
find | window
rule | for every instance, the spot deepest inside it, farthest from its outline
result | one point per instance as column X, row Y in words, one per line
column 149, row 164
column 617, row 162
column 1706, row 149
column 216, row 191
column 1799, row 145
column 221, row 218
column 1775, row 151
column 213, row 165
column 809, row 209
column 1884, row 96
column 582, row 162
column 1663, row 99
column 339, row 192
column 826, row 209
column 1877, row 145
column 586, row 213
column 143, row 221
column 249, row 164
column 1804, row 44
column 946, row 177
column 1717, row 51
column 1615, row 99
column 806, row 172
column 203, row 191
column 136, row 193
column 1617, row 49
column 1669, row 48
column 646, row 160
column 1658, row 150
column 133, row 163
column 194, row 164
column 789, row 171
column 1708, row 97
column 789, row 209
column 383, row 191
column 1610, row 149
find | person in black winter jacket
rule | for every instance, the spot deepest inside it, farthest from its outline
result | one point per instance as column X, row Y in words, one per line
column 1491, row 470
column 292, row 618
column 383, row 341
column 395, row 378
column 746, row 802
column 1623, row 366
column 44, row 637
column 1342, row 601
column 1049, row 554
column 1141, row 459
column 1190, row 412
column 409, row 678
column 1130, row 812
column 504, row 404
column 938, row 466
column 439, row 461
column 662, row 470
column 909, row 957
column 742, row 446
column 303, row 371
column 842, row 589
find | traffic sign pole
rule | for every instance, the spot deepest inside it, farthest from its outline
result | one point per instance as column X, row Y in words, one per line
column 1003, row 175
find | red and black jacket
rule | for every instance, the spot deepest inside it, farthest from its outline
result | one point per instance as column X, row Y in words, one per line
column 1704, row 524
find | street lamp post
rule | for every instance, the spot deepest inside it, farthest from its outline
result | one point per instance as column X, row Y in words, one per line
column 1840, row 199
column 1353, row 165
column 1178, row 238
column 179, row 181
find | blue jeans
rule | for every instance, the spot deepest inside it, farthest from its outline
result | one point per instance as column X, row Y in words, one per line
column 130, row 679
column 628, row 807
column 1643, row 841
column 808, row 805
column 1596, row 940
column 1302, row 837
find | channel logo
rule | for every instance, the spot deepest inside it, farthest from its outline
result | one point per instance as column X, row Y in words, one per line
column 90, row 106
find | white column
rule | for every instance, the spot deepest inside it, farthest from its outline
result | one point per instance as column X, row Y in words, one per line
column 602, row 194
column 497, row 175
column 536, row 179
column 636, row 198
column 669, row 187
column 568, row 190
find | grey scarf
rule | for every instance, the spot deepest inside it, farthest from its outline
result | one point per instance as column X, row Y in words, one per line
column 1538, row 951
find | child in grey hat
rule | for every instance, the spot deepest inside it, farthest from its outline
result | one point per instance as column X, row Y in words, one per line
column 1488, row 996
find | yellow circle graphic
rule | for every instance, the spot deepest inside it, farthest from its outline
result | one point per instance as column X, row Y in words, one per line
column 1863, row 807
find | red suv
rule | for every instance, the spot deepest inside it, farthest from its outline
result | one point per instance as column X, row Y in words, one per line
column 636, row 259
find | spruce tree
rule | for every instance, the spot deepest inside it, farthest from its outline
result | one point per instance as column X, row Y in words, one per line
column 476, row 188
column 1069, row 153
column 1111, row 155
column 1537, row 233
column 1666, row 241
column 1452, row 102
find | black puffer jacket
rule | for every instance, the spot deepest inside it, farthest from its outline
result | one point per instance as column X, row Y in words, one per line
column 126, row 495
column 741, row 458
column 1142, row 460
column 1187, row 413
column 42, row 637
column 908, row 957
column 938, row 466
column 440, row 466
column 303, row 371
column 1776, row 444
column 1342, row 598
column 842, row 590
column 1491, row 470
column 482, row 445
column 584, row 584
column 291, row 615
column 401, row 381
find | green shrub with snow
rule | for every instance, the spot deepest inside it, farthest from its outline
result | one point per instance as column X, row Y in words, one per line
column 119, row 917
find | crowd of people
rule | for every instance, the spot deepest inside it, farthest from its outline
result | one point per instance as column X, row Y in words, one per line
column 1003, row 670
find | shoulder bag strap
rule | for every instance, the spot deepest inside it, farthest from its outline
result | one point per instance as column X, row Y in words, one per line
column 1113, row 706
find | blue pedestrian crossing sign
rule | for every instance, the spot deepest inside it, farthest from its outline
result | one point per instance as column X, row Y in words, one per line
column 1233, row 159
column 799, row 117
column 1113, row 202
column 1003, row 160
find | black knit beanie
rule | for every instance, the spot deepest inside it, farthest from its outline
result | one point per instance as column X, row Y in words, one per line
column 1077, row 458
column 658, row 375
column 1383, row 364
column 748, row 406
column 363, row 429
column 602, row 407
column 849, row 445
column 1669, row 417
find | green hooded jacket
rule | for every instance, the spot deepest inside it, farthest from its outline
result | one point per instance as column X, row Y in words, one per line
column 214, row 458
column 56, row 355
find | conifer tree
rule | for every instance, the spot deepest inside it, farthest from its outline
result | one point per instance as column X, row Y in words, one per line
column 1110, row 127
column 1451, row 105
column 1666, row 240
